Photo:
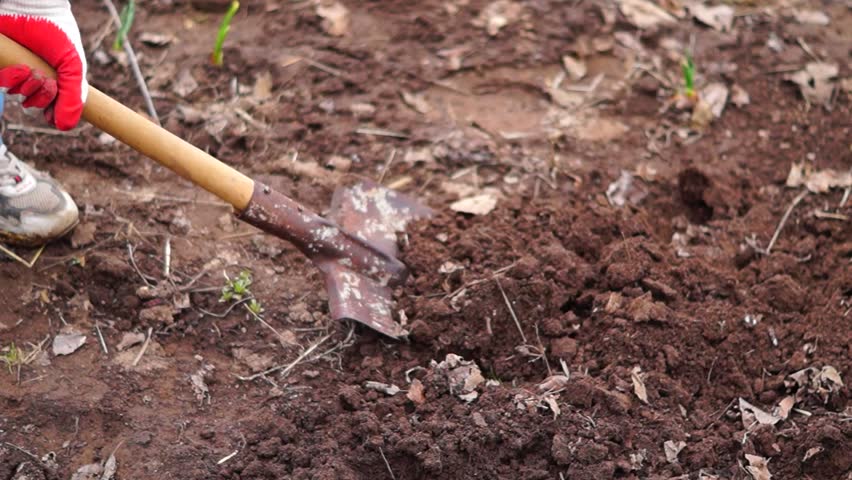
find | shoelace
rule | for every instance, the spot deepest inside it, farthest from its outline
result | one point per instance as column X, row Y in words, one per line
column 10, row 172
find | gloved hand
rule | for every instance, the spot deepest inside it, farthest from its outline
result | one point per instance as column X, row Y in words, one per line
column 48, row 29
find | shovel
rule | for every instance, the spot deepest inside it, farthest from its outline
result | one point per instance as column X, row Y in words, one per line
column 355, row 248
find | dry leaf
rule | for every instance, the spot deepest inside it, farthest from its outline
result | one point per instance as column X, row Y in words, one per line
column 815, row 81
column 644, row 14
column 811, row 452
column 110, row 467
column 553, row 382
column 68, row 343
column 552, row 404
column 599, row 129
column 387, row 389
column 130, row 339
column 751, row 414
column 710, row 105
column 92, row 471
column 416, row 392
column 625, row 190
column 84, row 235
column 185, row 83
column 262, row 87
column 718, row 17
column 416, row 101
column 758, row 467
column 476, row 205
column 672, row 449
column 156, row 39
column 575, row 68
column 739, row 96
column 785, row 406
column 202, row 392
column 639, row 384
column 335, row 18
column 811, row 17
column 463, row 376
column 817, row 181
column 830, row 373
column 497, row 15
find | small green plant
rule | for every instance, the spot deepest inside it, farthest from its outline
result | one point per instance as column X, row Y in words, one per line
column 12, row 357
column 127, row 15
column 254, row 307
column 237, row 288
column 688, row 68
column 218, row 57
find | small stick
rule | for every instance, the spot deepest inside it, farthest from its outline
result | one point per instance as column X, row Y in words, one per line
column 144, row 277
column 380, row 132
column 511, row 310
column 387, row 165
column 27, row 263
column 167, row 254
column 228, row 457
column 17, row 127
column 285, row 369
column 144, row 347
column 101, row 337
column 795, row 202
column 134, row 63
column 845, row 197
column 807, row 48
column 382, row 453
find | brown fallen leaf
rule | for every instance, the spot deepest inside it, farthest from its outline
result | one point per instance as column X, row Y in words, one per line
column 817, row 181
column 130, row 339
column 816, row 81
column 752, row 414
column 739, row 96
column 811, row 17
column 575, row 68
column 672, row 450
column 68, row 343
column 553, row 382
column 84, row 235
column 811, row 453
column 497, row 15
column 639, row 384
column 416, row 392
column 386, row 388
column 481, row 204
column 416, row 102
column 718, row 17
column 758, row 467
column 785, row 406
column 644, row 14
column 335, row 18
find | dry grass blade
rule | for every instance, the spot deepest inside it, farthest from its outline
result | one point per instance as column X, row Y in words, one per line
column 511, row 311
column 285, row 369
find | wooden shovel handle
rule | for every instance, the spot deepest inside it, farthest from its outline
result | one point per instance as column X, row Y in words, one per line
column 146, row 137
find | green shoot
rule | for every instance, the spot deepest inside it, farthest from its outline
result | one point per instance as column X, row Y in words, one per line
column 127, row 15
column 254, row 307
column 12, row 358
column 218, row 57
column 688, row 68
column 237, row 288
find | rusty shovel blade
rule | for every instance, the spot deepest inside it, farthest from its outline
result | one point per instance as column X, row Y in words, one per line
column 355, row 247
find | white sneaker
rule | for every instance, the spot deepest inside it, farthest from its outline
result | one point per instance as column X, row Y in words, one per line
column 34, row 209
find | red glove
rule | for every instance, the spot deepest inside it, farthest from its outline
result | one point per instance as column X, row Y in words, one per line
column 48, row 29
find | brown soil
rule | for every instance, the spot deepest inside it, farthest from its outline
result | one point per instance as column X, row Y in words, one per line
column 669, row 283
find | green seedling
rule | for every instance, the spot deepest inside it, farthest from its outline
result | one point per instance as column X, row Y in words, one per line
column 12, row 357
column 688, row 68
column 237, row 288
column 218, row 57
column 127, row 15
column 254, row 307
